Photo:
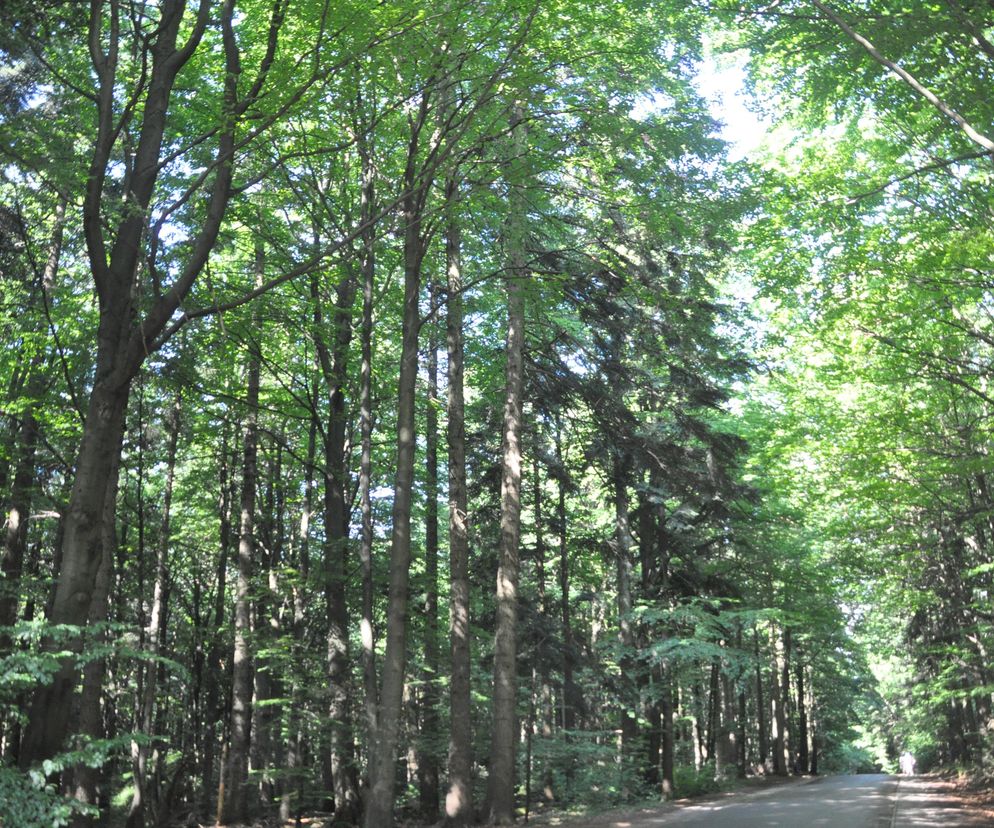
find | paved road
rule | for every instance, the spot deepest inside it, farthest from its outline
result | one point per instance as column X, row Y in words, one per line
column 865, row 801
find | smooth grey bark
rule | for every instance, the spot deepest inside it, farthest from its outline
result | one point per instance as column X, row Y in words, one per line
column 212, row 712
column 382, row 770
column 623, row 561
column 367, row 201
column 234, row 797
column 802, row 718
column 15, row 530
column 459, row 798
column 293, row 785
column 267, row 626
column 668, row 736
column 500, row 792
column 333, row 362
column 86, row 780
column 140, row 752
column 570, row 690
column 430, row 720
column 545, row 712
column 779, row 718
column 762, row 741
column 727, row 731
column 788, row 746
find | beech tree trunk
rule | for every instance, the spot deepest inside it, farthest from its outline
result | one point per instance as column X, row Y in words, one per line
column 570, row 690
column 226, row 497
column 15, row 531
column 761, row 726
column 788, row 747
column 293, row 784
column 668, row 739
column 123, row 341
column 234, row 801
column 623, row 562
column 779, row 719
column 367, row 634
column 503, row 747
column 802, row 719
column 140, row 752
column 459, row 799
column 430, row 725
column 82, row 548
column 86, row 780
column 382, row 766
column 333, row 368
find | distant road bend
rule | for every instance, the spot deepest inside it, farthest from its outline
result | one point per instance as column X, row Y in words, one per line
column 861, row 801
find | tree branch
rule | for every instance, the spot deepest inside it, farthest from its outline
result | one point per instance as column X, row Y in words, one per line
column 972, row 133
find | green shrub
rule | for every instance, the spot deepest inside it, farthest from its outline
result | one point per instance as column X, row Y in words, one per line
column 28, row 801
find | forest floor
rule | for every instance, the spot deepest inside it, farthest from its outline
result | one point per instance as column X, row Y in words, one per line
column 972, row 794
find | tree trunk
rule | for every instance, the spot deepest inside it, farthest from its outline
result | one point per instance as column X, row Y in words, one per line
column 742, row 759
column 293, row 784
column 761, row 727
column 333, row 369
column 779, row 720
column 813, row 765
column 234, row 804
column 623, row 561
column 140, row 752
column 714, row 717
column 428, row 760
column 266, row 628
column 226, row 497
column 802, row 719
column 728, row 730
column 668, row 740
column 788, row 758
column 570, row 690
column 15, row 533
column 379, row 808
column 16, row 528
column 122, row 343
column 699, row 730
column 500, row 793
column 82, row 547
column 367, row 201
column 459, row 799
column 86, row 780
column 546, row 709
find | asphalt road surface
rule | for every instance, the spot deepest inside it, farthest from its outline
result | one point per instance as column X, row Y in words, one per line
column 865, row 801
column 862, row 801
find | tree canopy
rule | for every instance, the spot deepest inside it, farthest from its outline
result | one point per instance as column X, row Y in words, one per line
column 420, row 412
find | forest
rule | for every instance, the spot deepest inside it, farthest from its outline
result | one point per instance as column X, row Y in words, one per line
column 431, row 414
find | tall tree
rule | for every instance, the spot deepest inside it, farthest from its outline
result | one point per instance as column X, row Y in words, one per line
column 233, row 804
column 135, row 62
column 459, row 799
column 500, row 793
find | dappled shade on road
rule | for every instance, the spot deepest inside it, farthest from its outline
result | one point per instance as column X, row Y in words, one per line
column 860, row 801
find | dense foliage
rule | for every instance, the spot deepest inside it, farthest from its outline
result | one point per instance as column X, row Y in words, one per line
column 412, row 409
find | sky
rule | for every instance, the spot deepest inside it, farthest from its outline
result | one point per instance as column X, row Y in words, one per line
column 723, row 84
